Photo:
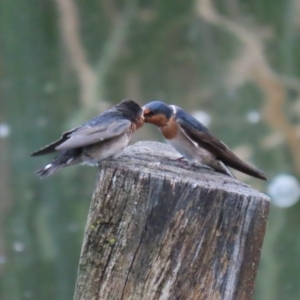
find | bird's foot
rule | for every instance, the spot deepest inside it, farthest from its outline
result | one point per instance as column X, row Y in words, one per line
column 180, row 159
column 181, row 162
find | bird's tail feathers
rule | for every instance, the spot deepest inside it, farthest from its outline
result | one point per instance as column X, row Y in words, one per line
column 49, row 169
column 246, row 168
column 64, row 159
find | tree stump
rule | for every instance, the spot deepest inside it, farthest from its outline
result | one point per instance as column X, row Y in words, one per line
column 162, row 229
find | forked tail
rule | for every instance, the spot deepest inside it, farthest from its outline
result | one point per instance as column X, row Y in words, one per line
column 63, row 159
column 49, row 169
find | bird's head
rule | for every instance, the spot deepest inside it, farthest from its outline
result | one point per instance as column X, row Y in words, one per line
column 157, row 113
column 132, row 111
column 130, row 105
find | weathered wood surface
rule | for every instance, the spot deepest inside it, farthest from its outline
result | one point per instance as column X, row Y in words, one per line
column 160, row 229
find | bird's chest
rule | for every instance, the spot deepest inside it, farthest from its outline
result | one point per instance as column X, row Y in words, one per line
column 189, row 149
column 170, row 131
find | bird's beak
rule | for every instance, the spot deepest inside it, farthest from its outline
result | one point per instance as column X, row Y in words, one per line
column 146, row 111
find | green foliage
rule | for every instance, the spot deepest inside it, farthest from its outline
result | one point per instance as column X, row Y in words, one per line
column 169, row 53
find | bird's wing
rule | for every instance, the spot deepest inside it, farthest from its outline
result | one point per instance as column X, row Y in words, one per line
column 51, row 147
column 199, row 134
column 87, row 134
column 93, row 134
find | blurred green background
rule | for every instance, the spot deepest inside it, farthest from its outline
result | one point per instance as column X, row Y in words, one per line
column 235, row 64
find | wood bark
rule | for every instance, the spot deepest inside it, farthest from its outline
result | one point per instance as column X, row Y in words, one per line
column 163, row 229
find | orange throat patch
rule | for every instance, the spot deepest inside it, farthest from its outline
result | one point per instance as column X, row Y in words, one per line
column 170, row 130
column 158, row 120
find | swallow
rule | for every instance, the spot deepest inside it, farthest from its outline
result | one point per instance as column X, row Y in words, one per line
column 194, row 141
column 102, row 137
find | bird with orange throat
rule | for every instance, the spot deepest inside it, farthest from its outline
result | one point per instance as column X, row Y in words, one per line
column 194, row 141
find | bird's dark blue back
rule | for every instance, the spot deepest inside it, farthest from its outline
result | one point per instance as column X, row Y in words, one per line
column 189, row 119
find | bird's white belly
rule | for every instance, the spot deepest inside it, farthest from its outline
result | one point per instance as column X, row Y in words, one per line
column 190, row 150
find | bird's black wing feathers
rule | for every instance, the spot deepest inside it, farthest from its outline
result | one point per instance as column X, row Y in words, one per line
column 198, row 133
column 91, row 135
column 105, row 126
column 51, row 147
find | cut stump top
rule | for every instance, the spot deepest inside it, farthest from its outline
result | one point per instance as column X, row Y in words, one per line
column 146, row 157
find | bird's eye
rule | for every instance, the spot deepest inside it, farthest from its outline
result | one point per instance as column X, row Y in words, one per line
column 150, row 113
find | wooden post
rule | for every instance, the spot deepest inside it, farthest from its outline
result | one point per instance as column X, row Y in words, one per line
column 161, row 229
